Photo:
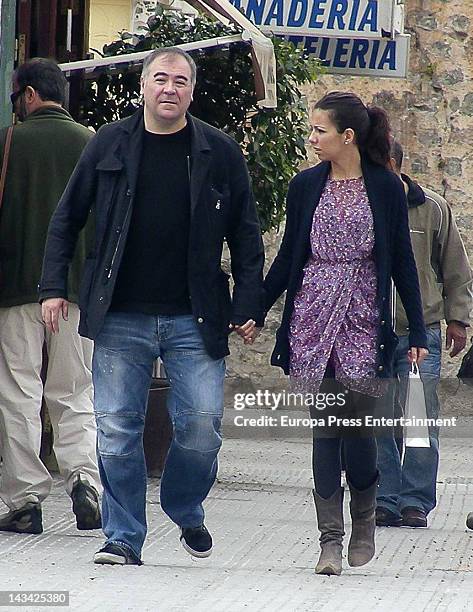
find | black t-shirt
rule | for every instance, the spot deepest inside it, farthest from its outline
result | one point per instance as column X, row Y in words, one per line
column 152, row 278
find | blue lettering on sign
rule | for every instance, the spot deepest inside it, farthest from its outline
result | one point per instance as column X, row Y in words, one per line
column 350, row 54
column 296, row 40
column 337, row 11
column 337, row 15
column 276, row 11
column 254, row 11
column 389, row 56
column 311, row 46
column 354, row 14
column 292, row 20
column 370, row 17
column 317, row 10
column 358, row 54
column 324, row 51
column 374, row 54
column 340, row 51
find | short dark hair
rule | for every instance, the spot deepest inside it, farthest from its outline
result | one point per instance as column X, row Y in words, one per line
column 170, row 51
column 397, row 153
column 370, row 123
column 44, row 76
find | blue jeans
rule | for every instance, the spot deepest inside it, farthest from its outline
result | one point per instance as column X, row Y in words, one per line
column 122, row 366
column 412, row 482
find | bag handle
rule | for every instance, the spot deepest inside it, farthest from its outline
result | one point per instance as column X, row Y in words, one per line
column 6, row 155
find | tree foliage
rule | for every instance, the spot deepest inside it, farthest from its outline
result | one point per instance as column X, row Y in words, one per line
column 273, row 140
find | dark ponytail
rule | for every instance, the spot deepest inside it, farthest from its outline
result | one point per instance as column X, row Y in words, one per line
column 378, row 142
column 370, row 124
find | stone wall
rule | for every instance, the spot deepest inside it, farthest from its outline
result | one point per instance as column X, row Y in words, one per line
column 432, row 115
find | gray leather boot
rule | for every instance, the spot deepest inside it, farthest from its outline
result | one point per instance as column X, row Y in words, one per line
column 330, row 524
column 361, row 546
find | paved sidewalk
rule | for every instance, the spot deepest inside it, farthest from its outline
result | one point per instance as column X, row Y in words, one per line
column 262, row 518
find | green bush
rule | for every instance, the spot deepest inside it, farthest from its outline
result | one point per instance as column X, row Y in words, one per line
column 273, row 140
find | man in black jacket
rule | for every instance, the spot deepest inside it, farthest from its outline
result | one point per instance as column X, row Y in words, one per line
column 166, row 189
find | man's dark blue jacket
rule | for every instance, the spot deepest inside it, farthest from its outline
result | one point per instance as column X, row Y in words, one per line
column 222, row 207
column 392, row 253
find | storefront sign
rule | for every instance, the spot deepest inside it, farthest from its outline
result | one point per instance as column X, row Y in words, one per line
column 337, row 18
column 360, row 57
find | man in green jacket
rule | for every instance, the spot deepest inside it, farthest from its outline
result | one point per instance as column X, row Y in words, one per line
column 407, row 489
column 44, row 151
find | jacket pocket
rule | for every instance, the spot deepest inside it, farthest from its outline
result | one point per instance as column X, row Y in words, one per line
column 111, row 183
column 219, row 209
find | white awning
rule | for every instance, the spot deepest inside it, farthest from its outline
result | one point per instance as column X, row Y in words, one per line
column 264, row 60
column 262, row 50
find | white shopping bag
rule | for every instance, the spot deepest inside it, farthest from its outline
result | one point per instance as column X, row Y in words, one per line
column 416, row 435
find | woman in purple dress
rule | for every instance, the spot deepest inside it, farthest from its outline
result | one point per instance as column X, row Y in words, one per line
column 346, row 237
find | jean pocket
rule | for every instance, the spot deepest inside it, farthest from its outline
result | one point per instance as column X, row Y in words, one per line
column 434, row 340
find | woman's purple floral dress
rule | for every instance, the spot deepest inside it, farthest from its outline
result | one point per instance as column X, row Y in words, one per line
column 335, row 313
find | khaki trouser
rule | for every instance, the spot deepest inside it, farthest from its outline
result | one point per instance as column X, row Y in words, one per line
column 68, row 394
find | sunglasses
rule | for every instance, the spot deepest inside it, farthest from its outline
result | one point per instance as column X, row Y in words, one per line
column 16, row 94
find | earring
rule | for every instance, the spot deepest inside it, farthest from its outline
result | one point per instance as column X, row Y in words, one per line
column 347, row 142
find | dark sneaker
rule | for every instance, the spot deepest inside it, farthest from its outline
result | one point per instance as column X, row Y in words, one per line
column 28, row 519
column 114, row 554
column 413, row 517
column 386, row 518
column 197, row 541
column 86, row 506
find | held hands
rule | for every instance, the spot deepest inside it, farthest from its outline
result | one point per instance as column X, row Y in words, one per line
column 456, row 335
column 248, row 331
column 417, row 354
column 51, row 309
